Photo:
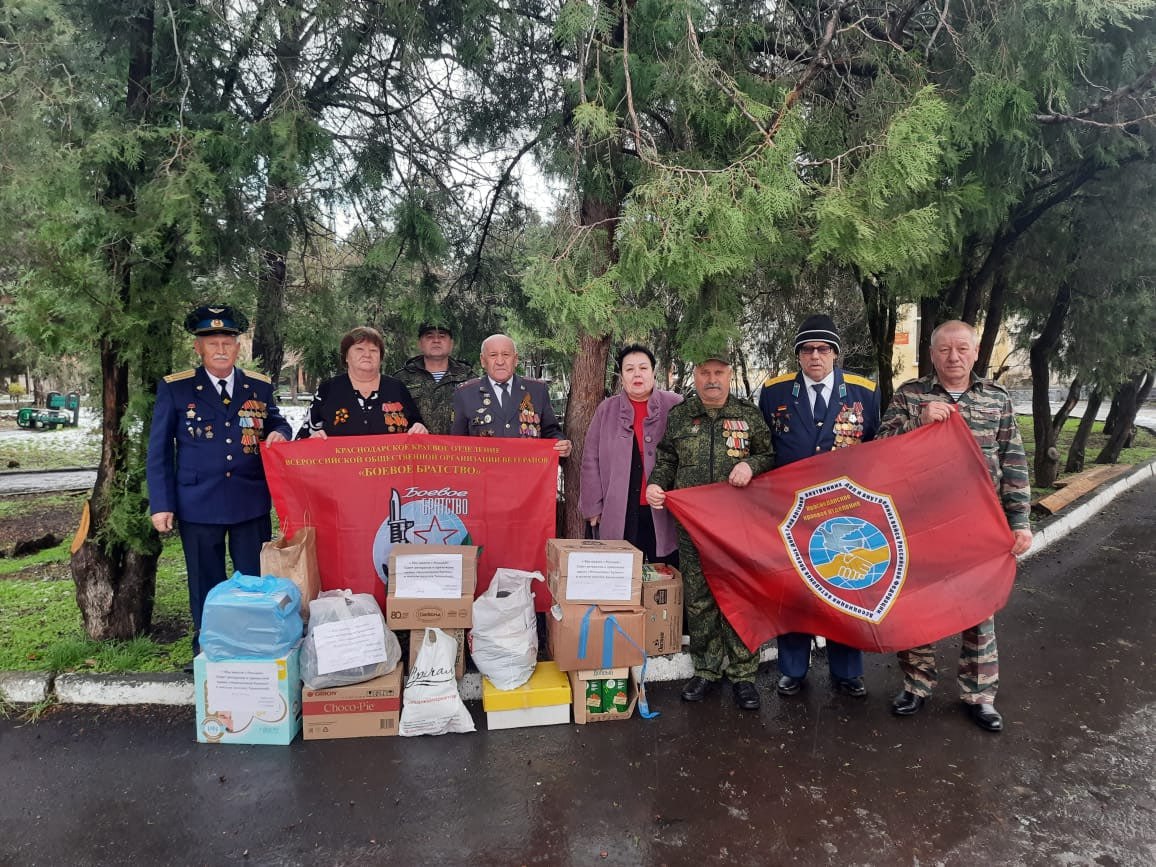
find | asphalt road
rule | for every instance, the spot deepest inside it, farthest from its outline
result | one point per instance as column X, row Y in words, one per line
column 814, row 780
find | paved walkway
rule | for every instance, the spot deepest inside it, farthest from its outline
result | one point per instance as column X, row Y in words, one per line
column 815, row 780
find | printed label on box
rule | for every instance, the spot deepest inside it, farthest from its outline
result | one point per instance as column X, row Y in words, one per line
column 600, row 576
column 246, row 687
column 427, row 576
column 342, row 644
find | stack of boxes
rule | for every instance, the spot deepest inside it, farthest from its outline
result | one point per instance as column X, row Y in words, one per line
column 432, row 586
column 597, row 625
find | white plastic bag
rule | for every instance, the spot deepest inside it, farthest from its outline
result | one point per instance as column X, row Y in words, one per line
column 348, row 641
column 431, row 704
column 504, row 640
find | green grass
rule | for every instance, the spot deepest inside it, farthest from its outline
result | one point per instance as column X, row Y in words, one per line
column 1143, row 447
column 12, row 508
column 40, row 625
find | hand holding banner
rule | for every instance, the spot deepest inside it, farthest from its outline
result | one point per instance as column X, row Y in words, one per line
column 365, row 494
column 889, row 545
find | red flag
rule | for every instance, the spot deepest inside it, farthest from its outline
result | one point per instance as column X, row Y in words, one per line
column 365, row 494
column 884, row 546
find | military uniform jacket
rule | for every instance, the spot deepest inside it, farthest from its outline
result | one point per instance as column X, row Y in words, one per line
column 337, row 409
column 434, row 399
column 703, row 445
column 527, row 412
column 204, row 459
column 852, row 415
column 987, row 409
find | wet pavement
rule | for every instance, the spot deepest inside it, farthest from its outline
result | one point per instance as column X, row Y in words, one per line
column 814, row 780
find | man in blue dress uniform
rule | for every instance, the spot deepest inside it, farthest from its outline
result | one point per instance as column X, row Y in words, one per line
column 204, row 457
column 818, row 409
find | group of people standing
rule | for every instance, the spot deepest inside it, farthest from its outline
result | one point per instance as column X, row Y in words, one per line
column 204, row 464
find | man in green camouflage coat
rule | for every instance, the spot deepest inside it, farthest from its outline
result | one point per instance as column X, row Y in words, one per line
column 987, row 409
column 711, row 437
column 433, row 377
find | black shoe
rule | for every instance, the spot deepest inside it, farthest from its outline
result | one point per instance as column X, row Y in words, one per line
column 906, row 704
column 746, row 696
column 696, row 688
column 986, row 717
column 852, row 686
column 788, row 685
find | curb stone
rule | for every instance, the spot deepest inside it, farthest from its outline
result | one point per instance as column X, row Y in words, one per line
column 25, row 687
column 177, row 688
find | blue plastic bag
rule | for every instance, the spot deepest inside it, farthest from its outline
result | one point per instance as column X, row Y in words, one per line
column 251, row 617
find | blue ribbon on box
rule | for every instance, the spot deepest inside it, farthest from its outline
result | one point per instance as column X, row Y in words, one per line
column 608, row 629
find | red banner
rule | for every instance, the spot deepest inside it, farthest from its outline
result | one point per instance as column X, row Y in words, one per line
column 365, row 494
column 884, row 546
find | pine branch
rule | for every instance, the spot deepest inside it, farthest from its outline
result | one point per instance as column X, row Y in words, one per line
column 1136, row 88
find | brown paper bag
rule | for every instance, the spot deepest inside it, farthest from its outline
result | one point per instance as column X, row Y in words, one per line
column 295, row 559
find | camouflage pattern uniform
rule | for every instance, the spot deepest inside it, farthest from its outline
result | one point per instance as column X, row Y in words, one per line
column 694, row 451
column 434, row 398
column 987, row 409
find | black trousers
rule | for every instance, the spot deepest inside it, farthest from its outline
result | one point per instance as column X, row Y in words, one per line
column 204, row 546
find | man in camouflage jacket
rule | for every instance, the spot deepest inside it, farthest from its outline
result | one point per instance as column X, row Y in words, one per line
column 987, row 409
column 433, row 376
column 711, row 437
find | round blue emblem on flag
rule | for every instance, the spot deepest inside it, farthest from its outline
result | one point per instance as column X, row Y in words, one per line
column 849, row 553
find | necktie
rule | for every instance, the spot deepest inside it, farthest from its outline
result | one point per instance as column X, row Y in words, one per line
column 503, row 394
column 224, row 391
column 820, row 405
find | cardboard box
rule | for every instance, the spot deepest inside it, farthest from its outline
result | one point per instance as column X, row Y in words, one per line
column 416, row 612
column 593, row 570
column 617, row 647
column 662, row 600
column 363, row 710
column 248, row 701
column 578, row 681
column 542, row 700
column 458, row 635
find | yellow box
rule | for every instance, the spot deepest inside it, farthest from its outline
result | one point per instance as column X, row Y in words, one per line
column 546, row 686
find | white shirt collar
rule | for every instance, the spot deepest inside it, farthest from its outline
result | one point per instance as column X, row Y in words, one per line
column 495, row 385
column 828, row 383
column 229, row 380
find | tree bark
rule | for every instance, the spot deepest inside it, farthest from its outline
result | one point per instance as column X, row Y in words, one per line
column 1113, row 416
column 1047, row 457
column 992, row 320
column 882, row 317
column 1065, row 410
column 1079, row 444
column 1130, row 398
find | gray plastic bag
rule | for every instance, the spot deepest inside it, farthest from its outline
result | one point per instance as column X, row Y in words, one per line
column 347, row 642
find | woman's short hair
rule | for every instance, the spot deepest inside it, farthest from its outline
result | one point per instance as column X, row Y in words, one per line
column 361, row 334
column 630, row 350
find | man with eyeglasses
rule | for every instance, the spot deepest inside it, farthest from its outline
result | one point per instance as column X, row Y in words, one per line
column 818, row 409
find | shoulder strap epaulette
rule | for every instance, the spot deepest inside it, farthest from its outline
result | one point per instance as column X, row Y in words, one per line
column 254, row 374
column 861, row 381
column 775, row 380
column 183, row 374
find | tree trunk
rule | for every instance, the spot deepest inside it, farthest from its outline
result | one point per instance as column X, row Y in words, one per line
column 1061, row 416
column 268, row 339
column 992, row 321
column 1130, row 398
column 928, row 319
column 115, row 585
column 882, row 317
column 1047, row 457
column 1079, row 445
column 587, row 388
column 1113, row 416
